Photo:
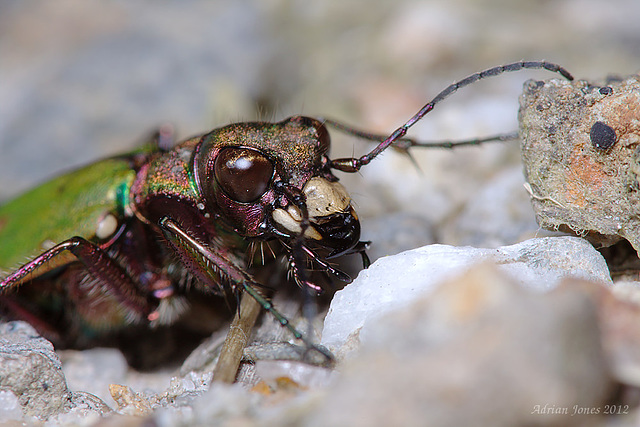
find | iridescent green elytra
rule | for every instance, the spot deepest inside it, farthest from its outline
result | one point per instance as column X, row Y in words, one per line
column 62, row 208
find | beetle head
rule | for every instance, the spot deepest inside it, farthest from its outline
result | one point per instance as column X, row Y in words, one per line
column 272, row 180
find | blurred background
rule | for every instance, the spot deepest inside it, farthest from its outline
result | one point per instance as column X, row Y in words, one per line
column 83, row 79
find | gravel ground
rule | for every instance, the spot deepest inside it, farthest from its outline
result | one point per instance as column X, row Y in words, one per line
column 80, row 80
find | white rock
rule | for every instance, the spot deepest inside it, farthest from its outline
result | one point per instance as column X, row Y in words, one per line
column 393, row 282
column 10, row 409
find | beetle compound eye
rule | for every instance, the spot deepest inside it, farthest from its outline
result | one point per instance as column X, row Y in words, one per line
column 244, row 174
column 602, row 136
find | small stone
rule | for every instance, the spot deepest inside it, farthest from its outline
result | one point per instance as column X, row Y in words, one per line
column 10, row 409
column 304, row 374
column 30, row 368
column 129, row 402
column 394, row 282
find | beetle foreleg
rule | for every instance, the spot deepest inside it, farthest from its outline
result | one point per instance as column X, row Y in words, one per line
column 206, row 263
column 197, row 255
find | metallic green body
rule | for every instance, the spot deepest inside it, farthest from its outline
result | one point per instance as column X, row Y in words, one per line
column 69, row 205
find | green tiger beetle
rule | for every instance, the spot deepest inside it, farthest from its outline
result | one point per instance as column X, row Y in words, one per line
column 122, row 241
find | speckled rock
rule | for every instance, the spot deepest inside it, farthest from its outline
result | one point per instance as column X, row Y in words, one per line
column 30, row 368
column 580, row 154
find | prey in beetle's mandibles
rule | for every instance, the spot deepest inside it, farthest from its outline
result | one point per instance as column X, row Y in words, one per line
column 123, row 240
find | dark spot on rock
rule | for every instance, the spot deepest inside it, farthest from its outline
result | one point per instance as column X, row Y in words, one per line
column 602, row 136
column 606, row 90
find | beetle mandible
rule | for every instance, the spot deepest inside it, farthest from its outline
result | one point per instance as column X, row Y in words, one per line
column 121, row 241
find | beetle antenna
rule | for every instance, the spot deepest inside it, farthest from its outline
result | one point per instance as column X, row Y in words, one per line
column 354, row 164
column 403, row 144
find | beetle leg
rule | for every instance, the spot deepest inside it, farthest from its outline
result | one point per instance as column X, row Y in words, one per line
column 200, row 258
column 101, row 267
column 361, row 248
column 340, row 275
